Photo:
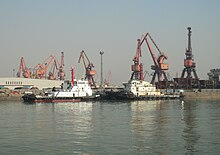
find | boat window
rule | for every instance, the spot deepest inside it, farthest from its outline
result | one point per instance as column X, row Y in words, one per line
column 80, row 82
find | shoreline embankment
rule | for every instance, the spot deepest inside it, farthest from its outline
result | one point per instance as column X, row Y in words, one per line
column 205, row 95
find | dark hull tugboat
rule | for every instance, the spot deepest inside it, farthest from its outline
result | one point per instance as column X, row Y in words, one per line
column 142, row 90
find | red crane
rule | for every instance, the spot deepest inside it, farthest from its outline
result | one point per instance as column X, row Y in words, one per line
column 159, row 66
column 88, row 67
column 52, row 63
column 108, row 79
column 61, row 73
column 23, row 70
column 137, row 67
column 189, row 63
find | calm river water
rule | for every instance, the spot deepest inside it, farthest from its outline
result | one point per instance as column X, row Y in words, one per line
column 140, row 127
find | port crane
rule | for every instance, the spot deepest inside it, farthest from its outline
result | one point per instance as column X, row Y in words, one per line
column 137, row 67
column 53, row 64
column 41, row 69
column 61, row 73
column 189, row 63
column 108, row 79
column 23, row 70
column 159, row 66
column 90, row 73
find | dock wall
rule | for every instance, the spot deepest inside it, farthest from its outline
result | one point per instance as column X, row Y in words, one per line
column 203, row 94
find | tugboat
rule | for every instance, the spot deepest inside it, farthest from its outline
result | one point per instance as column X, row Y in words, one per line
column 70, row 91
column 80, row 91
column 141, row 90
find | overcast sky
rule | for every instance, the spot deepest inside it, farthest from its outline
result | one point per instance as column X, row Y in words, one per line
column 35, row 29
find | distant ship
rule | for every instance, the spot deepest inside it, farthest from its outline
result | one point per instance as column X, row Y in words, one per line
column 16, row 82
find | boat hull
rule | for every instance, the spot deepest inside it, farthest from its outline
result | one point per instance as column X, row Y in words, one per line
column 122, row 95
column 47, row 99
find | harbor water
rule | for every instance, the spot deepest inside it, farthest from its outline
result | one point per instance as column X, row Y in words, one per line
column 107, row 127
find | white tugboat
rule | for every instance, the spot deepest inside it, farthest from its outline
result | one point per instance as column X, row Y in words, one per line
column 141, row 90
column 70, row 91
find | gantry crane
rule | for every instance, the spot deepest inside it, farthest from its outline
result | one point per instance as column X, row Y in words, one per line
column 23, row 70
column 159, row 66
column 41, row 69
column 189, row 63
column 88, row 67
column 137, row 67
column 52, row 63
column 61, row 73
column 108, row 79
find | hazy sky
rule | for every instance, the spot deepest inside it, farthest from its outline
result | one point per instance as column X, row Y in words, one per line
column 36, row 29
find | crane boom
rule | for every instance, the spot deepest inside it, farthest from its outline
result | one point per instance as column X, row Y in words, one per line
column 137, row 67
column 61, row 73
column 41, row 69
column 151, row 52
column 23, row 70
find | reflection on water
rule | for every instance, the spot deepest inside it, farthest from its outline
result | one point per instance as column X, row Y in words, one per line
column 190, row 134
column 149, row 123
column 75, row 117
column 139, row 127
column 74, row 123
column 156, row 126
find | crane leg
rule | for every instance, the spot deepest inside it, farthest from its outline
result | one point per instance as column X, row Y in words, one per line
column 93, row 82
column 165, row 76
column 195, row 75
column 132, row 76
column 153, row 78
column 183, row 73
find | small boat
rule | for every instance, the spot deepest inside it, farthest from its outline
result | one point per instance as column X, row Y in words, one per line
column 141, row 90
column 69, row 92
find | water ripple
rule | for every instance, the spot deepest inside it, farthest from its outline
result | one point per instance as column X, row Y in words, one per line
column 139, row 127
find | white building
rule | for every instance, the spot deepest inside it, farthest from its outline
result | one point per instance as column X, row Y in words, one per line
column 13, row 82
